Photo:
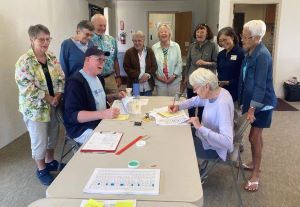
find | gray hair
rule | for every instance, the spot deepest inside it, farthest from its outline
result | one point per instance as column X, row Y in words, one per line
column 203, row 76
column 97, row 16
column 34, row 30
column 166, row 26
column 85, row 24
column 256, row 28
column 138, row 34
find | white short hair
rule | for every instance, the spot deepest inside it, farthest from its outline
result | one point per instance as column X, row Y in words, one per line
column 138, row 34
column 167, row 27
column 203, row 76
column 256, row 28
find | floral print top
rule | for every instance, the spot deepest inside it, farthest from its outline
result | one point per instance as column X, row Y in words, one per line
column 32, row 85
column 107, row 43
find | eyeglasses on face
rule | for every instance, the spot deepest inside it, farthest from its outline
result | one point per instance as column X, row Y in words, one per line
column 43, row 40
column 243, row 37
column 99, row 59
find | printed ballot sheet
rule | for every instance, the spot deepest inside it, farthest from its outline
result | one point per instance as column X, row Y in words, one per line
column 102, row 141
column 165, row 118
column 124, row 181
column 108, row 203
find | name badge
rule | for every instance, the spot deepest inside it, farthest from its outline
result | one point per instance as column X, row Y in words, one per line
column 233, row 57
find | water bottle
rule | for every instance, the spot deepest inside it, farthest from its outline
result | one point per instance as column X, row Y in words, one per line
column 136, row 88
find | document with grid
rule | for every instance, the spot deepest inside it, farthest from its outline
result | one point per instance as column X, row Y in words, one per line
column 102, row 142
column 124, row 181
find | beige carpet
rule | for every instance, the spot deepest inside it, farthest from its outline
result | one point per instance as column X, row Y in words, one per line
column 279, row 182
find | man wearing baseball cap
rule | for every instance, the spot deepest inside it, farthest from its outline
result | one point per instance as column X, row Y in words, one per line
column 85, row 98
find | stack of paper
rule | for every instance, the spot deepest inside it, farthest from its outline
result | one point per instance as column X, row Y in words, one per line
column 102, row 142
column 124, row 181
column 163, row 117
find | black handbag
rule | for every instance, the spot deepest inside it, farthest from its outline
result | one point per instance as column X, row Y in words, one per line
column 292, row 92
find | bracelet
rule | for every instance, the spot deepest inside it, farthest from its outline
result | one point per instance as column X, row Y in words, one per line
column 117, row 76
column 252, row 107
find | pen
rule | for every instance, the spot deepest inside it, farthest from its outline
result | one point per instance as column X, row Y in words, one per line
column 108, row 104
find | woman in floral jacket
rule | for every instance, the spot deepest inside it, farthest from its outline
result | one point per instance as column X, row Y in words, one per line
column 40, row 80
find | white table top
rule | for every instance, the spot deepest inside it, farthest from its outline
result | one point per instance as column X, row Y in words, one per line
column 169, row 148
column 49, row 202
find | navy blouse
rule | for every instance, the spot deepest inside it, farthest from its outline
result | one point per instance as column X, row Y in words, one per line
column 229, row 67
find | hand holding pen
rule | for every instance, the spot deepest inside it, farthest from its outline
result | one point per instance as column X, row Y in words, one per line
column 173, row 108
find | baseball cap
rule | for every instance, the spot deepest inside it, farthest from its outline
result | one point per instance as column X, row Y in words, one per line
column 95, row 51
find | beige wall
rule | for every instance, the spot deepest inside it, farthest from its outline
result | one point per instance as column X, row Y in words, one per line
column 135, row 13
column 212, row 15
column 61, row 17
column 286, row 56
column 251, row 11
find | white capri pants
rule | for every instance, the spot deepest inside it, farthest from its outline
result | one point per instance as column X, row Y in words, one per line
column 168, row 89
column 43, row 135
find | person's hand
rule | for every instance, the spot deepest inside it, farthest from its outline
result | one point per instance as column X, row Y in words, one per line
column 144, row 78
column 54, row 102
column 195, row 121
column 111, row 113
column 122, row 94
column 171, row 79
column 48, row 98
column 202, row 62
column 119, row 81
column 250, row 115
column 162, row 78
column 173, row 108
column 56, row 99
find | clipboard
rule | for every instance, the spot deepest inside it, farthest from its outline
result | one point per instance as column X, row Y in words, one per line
column 102, row 142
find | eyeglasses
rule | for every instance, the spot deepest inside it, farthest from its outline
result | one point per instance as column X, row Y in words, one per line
column 87, row 34
column 243, row 37
column 43, row 40
column 99, row 59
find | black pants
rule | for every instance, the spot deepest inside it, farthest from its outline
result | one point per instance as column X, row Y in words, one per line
column 190, row 94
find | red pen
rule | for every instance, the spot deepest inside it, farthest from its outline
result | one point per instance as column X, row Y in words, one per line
column 128, row 145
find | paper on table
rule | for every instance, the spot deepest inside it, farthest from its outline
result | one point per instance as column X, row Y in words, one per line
column 124, row 181
column 122, row 117
column 93, row 203
column 113, row 203
column 102, row 141
column 177, row 118
column 169, row 114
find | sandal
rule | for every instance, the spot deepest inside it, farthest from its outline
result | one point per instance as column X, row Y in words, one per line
column 252, row 186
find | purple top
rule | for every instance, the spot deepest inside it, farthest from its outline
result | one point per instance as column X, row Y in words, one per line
column 216, row 132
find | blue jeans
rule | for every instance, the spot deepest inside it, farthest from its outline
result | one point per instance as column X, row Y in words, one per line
column 200, row 151
column 146, row 93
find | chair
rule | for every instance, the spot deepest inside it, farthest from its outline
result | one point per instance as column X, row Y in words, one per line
column 240, row 125
column 74, row 146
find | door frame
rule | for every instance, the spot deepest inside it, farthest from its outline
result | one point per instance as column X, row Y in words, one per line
column 157, row 12
column 276, row 25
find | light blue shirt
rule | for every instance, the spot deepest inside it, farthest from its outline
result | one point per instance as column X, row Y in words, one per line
column 97, row 90
column 174, row 61
column 82, row 47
